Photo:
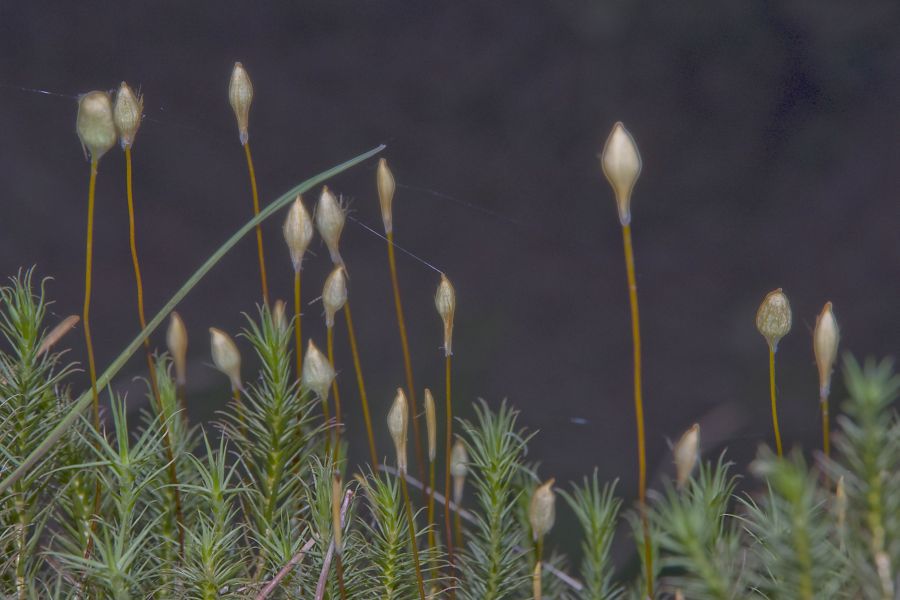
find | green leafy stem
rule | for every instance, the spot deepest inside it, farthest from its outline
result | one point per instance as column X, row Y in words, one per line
column 85, row 399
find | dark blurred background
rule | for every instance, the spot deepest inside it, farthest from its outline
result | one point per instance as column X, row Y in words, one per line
column 769, row 133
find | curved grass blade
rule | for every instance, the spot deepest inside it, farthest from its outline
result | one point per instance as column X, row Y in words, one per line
column 85, row 399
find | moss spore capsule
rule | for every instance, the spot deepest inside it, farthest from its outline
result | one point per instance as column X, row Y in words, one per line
column 773, row 319
column 459, row 468
column 127, row 114
column 386, row 188
column 330, row 218
column 445, row 302
column 94, row 123
column 298, row 232
column 621, row 163
column 398, row 422
column 317, row 371
column 279, row 315
column 334, row 294
column 240, row 95
column 542, row 510
column 430, row 425
column 177, row 342
column 226, row 356
column 826, row 338
column 686, row 452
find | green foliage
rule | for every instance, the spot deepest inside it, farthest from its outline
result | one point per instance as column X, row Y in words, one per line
column 699, row 541
column 492, row 567
column 867, row 460
column 597, row 510
column 256, row 500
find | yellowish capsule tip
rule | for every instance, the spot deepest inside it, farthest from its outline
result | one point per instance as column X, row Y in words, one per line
column 386, row 188
column 334, row 294
column 298, row 232
column 445, row 302
column 398, row 421
column 317, row 373
column 95, row 125
column 431, row 425
column 127, row 114
column 240, row 96
column 226, row 356
column 826, row 338
column 621, row 163
column 542, row 510
column 773, row 319
column 330, row 218
column 177, row 342
column 686, row 451
column 279, row 315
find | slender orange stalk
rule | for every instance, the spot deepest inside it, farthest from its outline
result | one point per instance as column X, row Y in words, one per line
column 88, row 272
column 431, row 534
column 259, row 236
column 412, row 535
column 154, row 385
column 351, row 334
column 826, row 441
column 774, row 403
column 448, row 444
column 407, row 362
column 335, row 393
column 638, row 402
column 297, row 339
column 239, row 405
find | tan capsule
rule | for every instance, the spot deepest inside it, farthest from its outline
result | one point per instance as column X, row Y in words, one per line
column 279, row 315
column 317, row 373
column 840, row 504
column 430, row 425
column 330, row 218
column 883, row 566
column 825, row 344
column 127, row 114
column 334, row 294
column 621, row 163
column 445, row 302
column 398, row 421
column 57, row 333
column 177, row 342
column 298, row 232
column 95, row 125
column 686, row 452
column 386, row 187
column 542, row 510
column 336, row 492
column 773, row 319
column 226, row 356
column 240, row 95
column 459, row 468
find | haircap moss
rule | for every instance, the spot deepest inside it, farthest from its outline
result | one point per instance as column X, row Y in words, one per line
column 330, row 219
column 226, row 356
column 386, row 187
column 621, row 163
column 317, row 371
column 773, row 319
column 398, row 422
column 127, row 114
column 240, row 96
column 298, row 232
column 95, row 125
column 177, row 342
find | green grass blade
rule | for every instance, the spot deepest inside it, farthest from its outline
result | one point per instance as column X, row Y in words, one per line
column 85, row 399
